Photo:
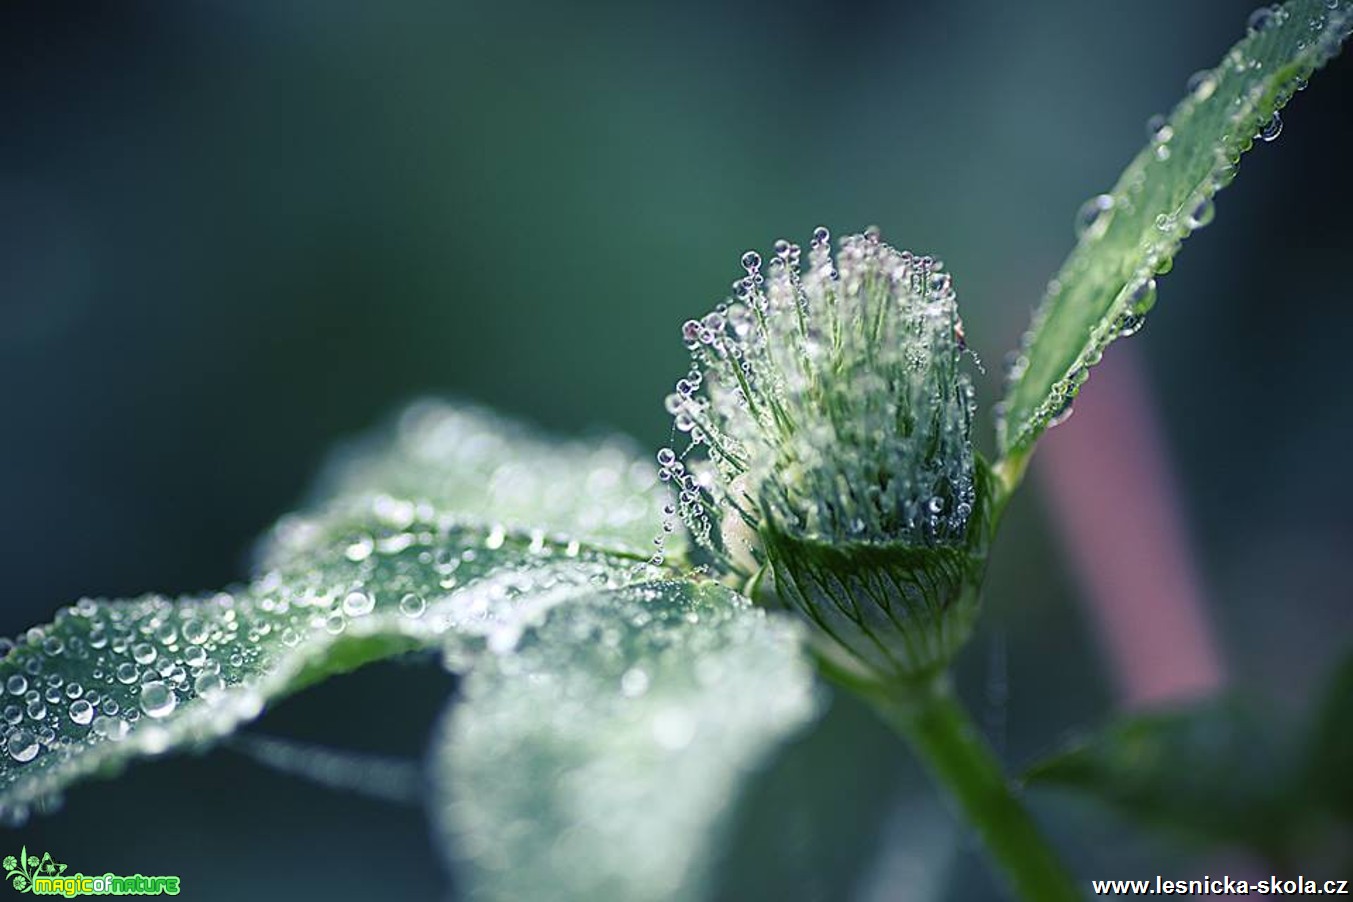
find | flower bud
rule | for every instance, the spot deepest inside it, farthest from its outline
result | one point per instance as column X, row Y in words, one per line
column 830, row 423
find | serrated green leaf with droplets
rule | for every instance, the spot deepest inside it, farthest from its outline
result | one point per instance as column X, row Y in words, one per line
column 1131, row 234
column 388, row 565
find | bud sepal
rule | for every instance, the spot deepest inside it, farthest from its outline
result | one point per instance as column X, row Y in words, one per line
column 886, row 612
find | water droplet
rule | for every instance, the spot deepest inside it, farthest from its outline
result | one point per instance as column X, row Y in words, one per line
column 157, row 699
column 412, row 605
column 1261, row 19
column 196, row 632
column 673, row 729
column 1093, row 216
column 1061, row 415
column 497, row 535
column 126, row 673
column 634, row 683
column 1142, row 298
column 358, row 604
column 751, row 261
column 143, row 653
column 1158, row 129
column 1202, row 214
column 82, row 712
column 359, row 549
column 1201, row 85
column 1272, row 129
column 1129, row 324
column 208, row 684
column 113, row 728
column 16, row 684
column 22, row 745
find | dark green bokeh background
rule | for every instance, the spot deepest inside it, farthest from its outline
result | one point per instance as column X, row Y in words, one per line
column 231, row 234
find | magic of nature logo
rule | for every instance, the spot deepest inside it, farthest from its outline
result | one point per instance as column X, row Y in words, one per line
column 45, row 876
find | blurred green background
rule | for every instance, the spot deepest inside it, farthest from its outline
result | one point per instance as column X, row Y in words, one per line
column 232, row 234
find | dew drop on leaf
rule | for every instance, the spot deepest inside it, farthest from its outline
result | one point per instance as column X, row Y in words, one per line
column 196, row 632
column 22, row 745
column 1272, row 129
column 110, row 727
column 634, row 682
column 1143, row 298
column 1093, row 214
column 82, row 712
column 358, row 604
column 1262, row 18
column 412, row 605
column 1062, row 415
column 157, row 699
column 1202, row 214
column 1129, row 324
column 208, row 684
column 1201, row 85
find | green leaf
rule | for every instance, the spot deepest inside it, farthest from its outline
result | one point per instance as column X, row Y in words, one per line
column 808, row 828
column 465, row 459
column 601, row 760
column 1217, row 771
column 367, row 575
column 109, row 681
column 1107, row 284
column 1329, row 773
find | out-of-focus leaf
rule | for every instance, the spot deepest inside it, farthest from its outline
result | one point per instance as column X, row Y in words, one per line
column 811, row 825
column 1217, row 771
column 398, row 560
column 1330, row 766
column 602, row 757
column 1130, row 235
column 483, row 466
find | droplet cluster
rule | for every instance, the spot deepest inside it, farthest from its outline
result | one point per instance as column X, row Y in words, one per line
column 1129, row 236
column 825, row 399
column 463, row 458
column 636, row 712
column 109, row 680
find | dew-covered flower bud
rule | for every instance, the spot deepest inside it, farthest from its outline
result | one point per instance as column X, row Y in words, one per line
column 829, row 441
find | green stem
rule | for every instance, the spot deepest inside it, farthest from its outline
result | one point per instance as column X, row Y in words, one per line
column 944, row 737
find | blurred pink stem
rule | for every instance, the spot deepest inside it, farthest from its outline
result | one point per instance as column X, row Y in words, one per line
column 1111, row 492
